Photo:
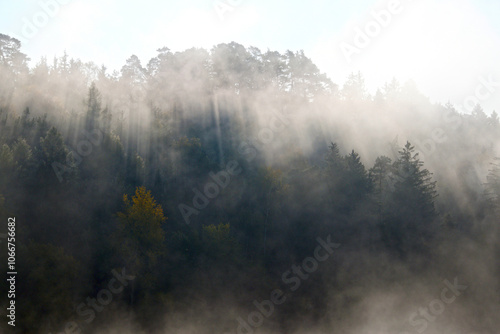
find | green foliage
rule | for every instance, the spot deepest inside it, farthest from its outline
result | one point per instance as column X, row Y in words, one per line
column 55, row 162
column 414, row 186
column 211, row 103
column 382, row 182
column 333, row 159
column 493, row 186
column 11, row 56
column 408, row 216
column 357, row 181
column 193, row 158
column 7, row 166
column 188, row 143
column 53, row 148
column 379, row 176
column 23, row 157
column 218, row 241
column 216, row 234
column 49, row 287
column 7, row 161
column 347, row 179
column 93, row 107
column 272, row 183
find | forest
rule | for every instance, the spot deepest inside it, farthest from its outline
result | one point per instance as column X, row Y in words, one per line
column 235, row 190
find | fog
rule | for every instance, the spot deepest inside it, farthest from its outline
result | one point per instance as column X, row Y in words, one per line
column 273, row 211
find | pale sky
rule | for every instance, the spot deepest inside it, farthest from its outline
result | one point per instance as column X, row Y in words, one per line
column 448, row 47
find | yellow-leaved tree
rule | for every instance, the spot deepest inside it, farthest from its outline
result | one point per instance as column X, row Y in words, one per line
column 141, row 236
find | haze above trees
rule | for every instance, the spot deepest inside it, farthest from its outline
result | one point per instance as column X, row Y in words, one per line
column 208, row 173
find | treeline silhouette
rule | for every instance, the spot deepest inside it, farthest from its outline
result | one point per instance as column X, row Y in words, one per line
column 207, row 174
